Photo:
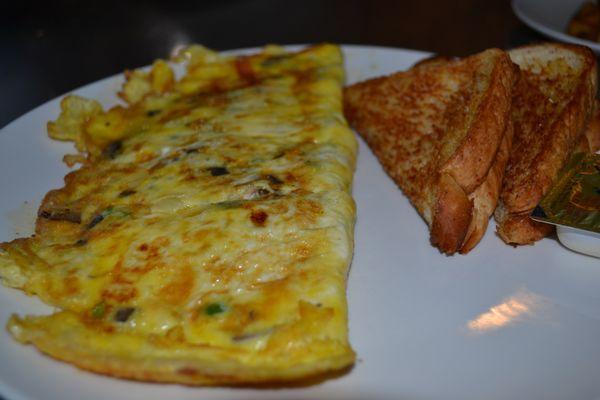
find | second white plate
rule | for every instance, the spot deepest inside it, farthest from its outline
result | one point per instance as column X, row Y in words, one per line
column 551, row 18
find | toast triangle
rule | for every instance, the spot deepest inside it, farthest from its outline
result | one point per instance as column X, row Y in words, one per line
column 553, row 102
column 437, row 129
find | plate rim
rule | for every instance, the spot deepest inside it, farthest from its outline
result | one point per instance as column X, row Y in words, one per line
column 12, row 390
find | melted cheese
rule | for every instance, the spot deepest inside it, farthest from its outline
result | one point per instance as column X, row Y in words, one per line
column 208, row 235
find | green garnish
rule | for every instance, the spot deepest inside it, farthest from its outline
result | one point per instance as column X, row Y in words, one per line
column 229, row 204
column 116, row 212
column 214, row 308
column 109, row 211
column 99, row 310
column 275, row 60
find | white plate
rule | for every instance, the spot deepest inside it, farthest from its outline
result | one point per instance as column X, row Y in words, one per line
column 499, row 323
column 551, row 18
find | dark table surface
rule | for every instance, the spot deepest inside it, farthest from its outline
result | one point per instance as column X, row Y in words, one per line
column 50, row 48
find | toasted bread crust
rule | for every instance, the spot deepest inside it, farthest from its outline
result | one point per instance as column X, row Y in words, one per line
column 485, row 197
column 546, row 131
column 518, row 229
column 433, row 61
column 592, row 132
column 583, row 145
column 452, row 216
column 472, row 160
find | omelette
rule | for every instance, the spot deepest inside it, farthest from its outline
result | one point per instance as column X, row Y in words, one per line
column 207, row 235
